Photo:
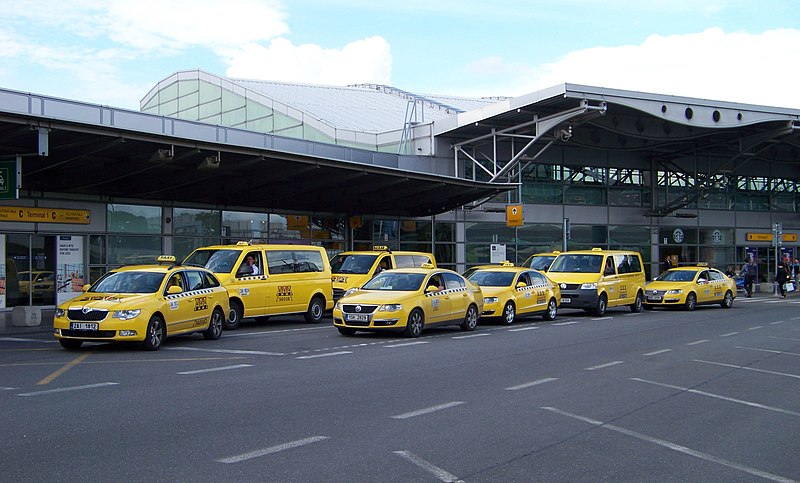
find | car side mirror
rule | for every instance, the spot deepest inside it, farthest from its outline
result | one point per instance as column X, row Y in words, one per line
column 521, row 284
column 86, row 287
column 174, row 289
column 431, row 288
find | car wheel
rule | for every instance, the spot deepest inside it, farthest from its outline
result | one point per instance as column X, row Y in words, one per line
column 727, row 301
column 508, row 313
column 70, row 344
column 416, row 321
column 346, row 330
column 316, row 309
column 691, row 302
column 214, row 330
column 636, row 306
column 154, row 335
column 552, row 310
column 600, row 308
column 235, row 315
column 471, row 319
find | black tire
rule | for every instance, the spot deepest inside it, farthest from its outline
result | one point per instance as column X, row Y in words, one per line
column 155, row 333
column 235, row 315
column 70, row 344
column 691, row 302
column 346, row 331
column 636, row 306
column 509, row 313
column 214, row 330
column 415, row 324
column 727, row 301
column 316, row 309
column 600, row 308
column 470, row 319
column 552, row 310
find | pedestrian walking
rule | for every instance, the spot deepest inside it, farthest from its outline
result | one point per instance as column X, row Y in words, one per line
column 749, row 274
column 781, row 277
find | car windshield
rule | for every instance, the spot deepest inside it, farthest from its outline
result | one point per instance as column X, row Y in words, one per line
column 542, row 262
column 358, row 264
column 576, row 263
column 395, row 282
column 129, row 282
column 218, row 261
column 677, row 276
column 486, row 278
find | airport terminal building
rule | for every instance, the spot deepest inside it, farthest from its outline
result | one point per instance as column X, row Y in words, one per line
column 208, row 159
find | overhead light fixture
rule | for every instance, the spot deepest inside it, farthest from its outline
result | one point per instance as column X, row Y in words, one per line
column 209, row 162
column 162, row 156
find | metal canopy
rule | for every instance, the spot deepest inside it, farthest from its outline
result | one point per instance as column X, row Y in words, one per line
column 111, row 164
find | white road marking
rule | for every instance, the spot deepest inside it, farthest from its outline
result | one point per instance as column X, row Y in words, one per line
column 675, row 447
column 796, row 376
column 406, row 344
column 566, row 323
column 272, row 449
column 19, row 339
column 215, row 369
column 774, row 301
column 328, row 354
column 632, row 314
column 225, row 351
column 777, row 322
column 756, row 327
column 439, row 473
column 769, row 350
column 482, row 334
column 655, row 353
column 701, row 341
column 781, row 338
column 602, row 318
column 523, row 328
column 717, row 396
column 65, row 389
column 8, row 388
column 729, row 334
column 603, row 366
column 531, row 384
column 271, row 332
column 431, row 409
column 795, row 318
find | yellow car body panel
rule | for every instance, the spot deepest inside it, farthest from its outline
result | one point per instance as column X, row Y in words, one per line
column 689, row 286
column 140, row 293
column 512, row 291
column 388, row 300
column 353, row 269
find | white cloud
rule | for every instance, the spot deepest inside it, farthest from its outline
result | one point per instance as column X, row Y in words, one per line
column 739, row 67
column 364, row 61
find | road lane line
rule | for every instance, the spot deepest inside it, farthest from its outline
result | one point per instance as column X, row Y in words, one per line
column 655, row 353
column 729, row 334
column 777, row 322
column 603, row 366
column 215, row 369
column 482, row 334
column 326, row 355
column 675, row 447
column 531, row 384
column 768, row 350
column 272, row 332
column 226, row 351
column 523, row 328
column 756, row 327
column 69, row 365
column 439, row 473
column 782, row 338
column 406, row 344
column 701, row 341
column 566, row 323
column 603, row 318
column 272, row 449
column 66, row 389
column 431, row 409
column 796, row 376
column 717, row 396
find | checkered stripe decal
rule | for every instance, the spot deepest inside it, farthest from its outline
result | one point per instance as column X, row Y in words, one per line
column 446, row 291
column 531, row 288
column 190, row 293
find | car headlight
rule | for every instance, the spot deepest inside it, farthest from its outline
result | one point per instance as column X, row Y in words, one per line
column 349, row 291
column 338, row 305
column 675, row 291
column 126, row 314
column 589, row 286
column 490, row 300
column 60, row 312
column 390, row 308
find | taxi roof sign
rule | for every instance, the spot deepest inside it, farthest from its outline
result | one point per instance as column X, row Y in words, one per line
column 166, row 259
column 507, row 264
column 242, row 244
column 381, row 248
column 427, row 265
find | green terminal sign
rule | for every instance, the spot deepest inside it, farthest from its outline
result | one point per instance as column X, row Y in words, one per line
column 8, row 180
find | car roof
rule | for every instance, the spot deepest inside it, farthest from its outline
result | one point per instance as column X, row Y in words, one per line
column 259, row 246
column 377, row 252
column 501, row 268
column 424, row 271
column 165, row 268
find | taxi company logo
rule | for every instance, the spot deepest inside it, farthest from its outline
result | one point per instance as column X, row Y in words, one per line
column 563, row 285
column 284, row 293
column 86, row 310
column 358, row 308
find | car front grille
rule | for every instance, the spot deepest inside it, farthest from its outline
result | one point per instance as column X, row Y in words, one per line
column 358, row 308
column 92, row 315
column 569, row 286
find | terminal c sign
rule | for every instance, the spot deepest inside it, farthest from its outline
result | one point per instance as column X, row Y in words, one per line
column 767, row 237
column 44, row 215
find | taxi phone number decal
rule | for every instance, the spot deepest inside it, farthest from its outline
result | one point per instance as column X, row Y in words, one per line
column 200, row 303
column 284, row 293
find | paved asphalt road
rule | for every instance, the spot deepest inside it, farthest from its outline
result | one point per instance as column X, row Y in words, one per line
column 711, row 395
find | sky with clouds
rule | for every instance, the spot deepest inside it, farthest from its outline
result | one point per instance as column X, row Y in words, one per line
column 113, row 52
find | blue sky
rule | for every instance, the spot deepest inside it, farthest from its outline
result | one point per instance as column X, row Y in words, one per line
column 113, row 52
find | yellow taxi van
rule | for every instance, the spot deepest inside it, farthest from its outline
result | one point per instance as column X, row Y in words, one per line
column 265, row 280
column 596, row 279
column 353, row 269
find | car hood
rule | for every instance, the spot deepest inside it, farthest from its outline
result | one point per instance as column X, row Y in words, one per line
column 377, row 297
column 493, row 291
column 657, row 285
column 108, row 301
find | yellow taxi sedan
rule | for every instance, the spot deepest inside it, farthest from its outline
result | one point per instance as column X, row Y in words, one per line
column 409, row 300
column 688, row 287
column 510, row 291
column 144, row 304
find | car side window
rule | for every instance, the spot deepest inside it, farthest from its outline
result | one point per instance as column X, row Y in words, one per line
column 452, row 280
column 194, row 280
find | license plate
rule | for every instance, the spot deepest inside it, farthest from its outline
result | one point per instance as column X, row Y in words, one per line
column 83, row 325
column 565, row 300
column 652, row 298
column 357, row 317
